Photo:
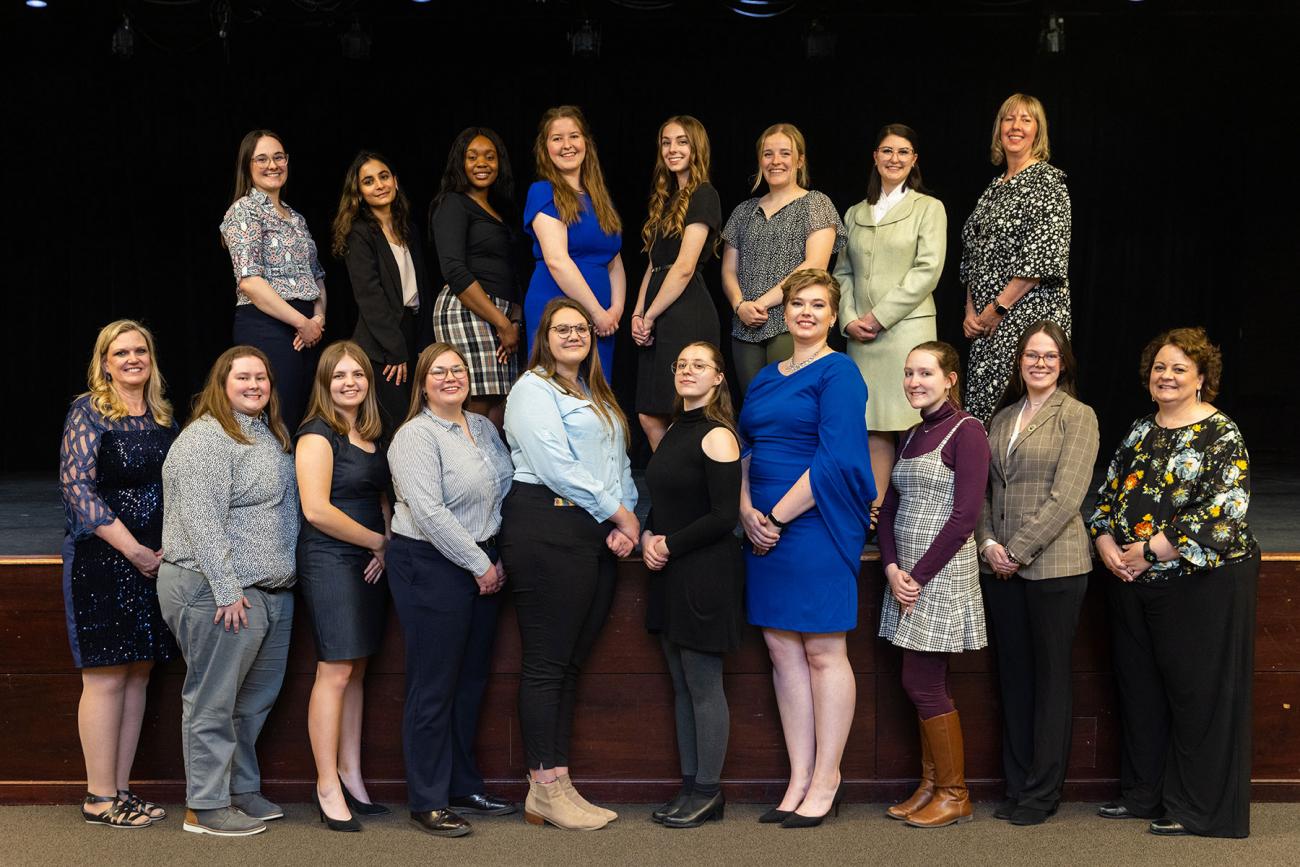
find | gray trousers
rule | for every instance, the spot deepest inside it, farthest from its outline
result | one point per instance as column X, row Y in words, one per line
column 231, row 681
column 749, row 358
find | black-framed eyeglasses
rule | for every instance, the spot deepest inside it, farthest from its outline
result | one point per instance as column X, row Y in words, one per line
column 262, row 160
column 565, row 330
column 1048, row 358
column 696, row 367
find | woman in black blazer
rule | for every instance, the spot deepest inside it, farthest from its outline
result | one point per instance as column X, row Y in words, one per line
column 374, row 236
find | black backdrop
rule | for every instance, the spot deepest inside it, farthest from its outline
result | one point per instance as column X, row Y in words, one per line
column 1169, row 119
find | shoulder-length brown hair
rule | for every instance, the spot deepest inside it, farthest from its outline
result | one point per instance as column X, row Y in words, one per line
column 1195, row 344
column 802, row 176
column 601, row 396
column 244, row 174
column 567, row 203
column 718, row 409
column 352, row 205
column 369, row 425
column 668, row 204
column 104, row 398
column 1042, row 150
column 913, row 181
column 422, row 365
column 212, row 399
column 949, row 362
column 1066, row 378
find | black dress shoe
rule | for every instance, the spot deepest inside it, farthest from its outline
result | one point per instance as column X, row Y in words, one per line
column 1005, row 810
column 1168, row 828
column 482, row 804
column 440, row 823
column 697, row 810
column 1031, row 815
column 361, row 808
column 672, row 806
column 1116, row 810
column 774, row 816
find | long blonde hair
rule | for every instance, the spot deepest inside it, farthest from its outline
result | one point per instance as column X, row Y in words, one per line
column 668, row 204
column 212, row 399
column 104, row 398
column 369, row 425
column 790, row 131
column 602, row 396
column 567, row 203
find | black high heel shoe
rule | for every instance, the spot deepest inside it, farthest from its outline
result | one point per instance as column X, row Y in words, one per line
column 348, row 824
column 798, row 820
column 361, row 807
column 774, row 816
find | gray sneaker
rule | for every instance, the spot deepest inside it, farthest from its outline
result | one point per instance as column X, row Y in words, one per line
column 254, row 805
column 222, row 822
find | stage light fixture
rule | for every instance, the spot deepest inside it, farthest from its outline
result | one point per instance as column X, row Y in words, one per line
column 37, row 4
column 1052, row 38
column 356, row 42
column 124, row 40
column 818, row 42
column 585, row 40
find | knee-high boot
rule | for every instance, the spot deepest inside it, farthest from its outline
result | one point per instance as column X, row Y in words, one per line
column 951, row 802
column 925, row 789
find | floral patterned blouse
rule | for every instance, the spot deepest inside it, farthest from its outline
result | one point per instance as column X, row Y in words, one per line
column 1191, row 482
column 279, row 249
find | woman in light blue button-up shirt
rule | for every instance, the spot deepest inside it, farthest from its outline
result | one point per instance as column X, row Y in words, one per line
column 567, row 519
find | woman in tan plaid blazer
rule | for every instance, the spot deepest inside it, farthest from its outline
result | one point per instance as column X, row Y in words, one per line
column 1035, row 559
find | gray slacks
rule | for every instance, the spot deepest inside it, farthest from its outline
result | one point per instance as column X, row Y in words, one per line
column 232, row 679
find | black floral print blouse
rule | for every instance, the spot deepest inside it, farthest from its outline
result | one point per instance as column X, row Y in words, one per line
column 1192, row 483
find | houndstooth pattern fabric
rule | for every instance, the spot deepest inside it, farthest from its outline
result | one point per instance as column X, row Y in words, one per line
column 456, row 324
column 949, row 614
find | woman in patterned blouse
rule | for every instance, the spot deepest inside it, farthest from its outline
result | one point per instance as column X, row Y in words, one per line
column 768, row 238
column 1015, row 252
column 279, row 283
column 1170, row 524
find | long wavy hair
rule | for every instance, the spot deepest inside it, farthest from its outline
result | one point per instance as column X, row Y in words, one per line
column 718, row 409
column 913, row 181
column 1065, row 380
column 949, row 362
column 352, row 205
column 369, row 424
column 104, row 397
column 422, row 365
column 802, row 176
column 601, row 396
column 567, row 203
column 244, row 174
column 212, row 399
column 668, row 203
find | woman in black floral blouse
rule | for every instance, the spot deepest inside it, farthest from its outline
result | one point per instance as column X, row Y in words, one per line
column 1015, row 252
column 1170, row 524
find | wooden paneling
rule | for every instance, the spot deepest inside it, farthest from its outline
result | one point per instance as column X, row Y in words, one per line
column 623, row 740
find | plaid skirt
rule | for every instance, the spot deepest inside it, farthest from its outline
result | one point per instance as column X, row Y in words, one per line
column 456, row 324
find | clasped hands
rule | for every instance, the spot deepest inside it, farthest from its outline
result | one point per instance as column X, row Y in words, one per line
column 643, row 327
column 903, row 587
column 492, row 580
column 996, row 555
column 309, row 333
column 981, row 325
column 654, row 551
column 763, row 534
column 864, row 329
column 750, row 314
column 1125, row 563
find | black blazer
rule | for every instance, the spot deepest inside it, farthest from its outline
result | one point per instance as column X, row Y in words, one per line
column 377, row 288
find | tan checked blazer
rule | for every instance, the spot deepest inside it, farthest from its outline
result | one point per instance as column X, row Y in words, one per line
column 1034, row 496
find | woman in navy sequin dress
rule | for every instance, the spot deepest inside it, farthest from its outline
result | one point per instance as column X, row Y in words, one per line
column 110, row 473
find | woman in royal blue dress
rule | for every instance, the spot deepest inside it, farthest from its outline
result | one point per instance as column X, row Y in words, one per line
column 805, row 504
column 575, row 230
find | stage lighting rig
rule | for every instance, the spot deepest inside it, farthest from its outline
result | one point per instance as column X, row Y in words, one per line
column 818, row 42
column 585, row 40
column 124, row 39
column 1052, row 38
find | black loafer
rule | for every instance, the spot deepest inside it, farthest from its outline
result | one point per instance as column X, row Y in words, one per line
column 1031, row 815
column 1168, row 828
column 482, row 804
column 1116, row 810
column 661, row 813
column 1005, row 810
column 440, row 823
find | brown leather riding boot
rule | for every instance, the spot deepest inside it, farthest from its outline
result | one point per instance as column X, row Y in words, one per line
column 951, row 802
column 925, row 790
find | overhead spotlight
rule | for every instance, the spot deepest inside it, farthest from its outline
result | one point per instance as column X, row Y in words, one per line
column 420, row 1
column 37, row 4
column 818, row 42
column 1052, row 38
column 356, row 42
column 124, row 40
column 585, row 41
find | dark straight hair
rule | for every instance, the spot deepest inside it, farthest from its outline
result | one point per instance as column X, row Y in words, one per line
column 243, row 174
column 913, row 177
column 1065, row 380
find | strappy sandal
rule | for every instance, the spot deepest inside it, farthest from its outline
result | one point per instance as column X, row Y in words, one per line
column 873, row 536
column 154, row 811
column 118, row 815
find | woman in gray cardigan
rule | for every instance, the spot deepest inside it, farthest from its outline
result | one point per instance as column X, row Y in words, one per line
column 1035, row 559
column 898, row 236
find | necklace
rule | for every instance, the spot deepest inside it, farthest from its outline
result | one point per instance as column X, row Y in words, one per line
column 798, row 365
column 937, row 424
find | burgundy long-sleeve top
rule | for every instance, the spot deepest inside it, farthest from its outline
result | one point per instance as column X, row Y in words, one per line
column 967, row 455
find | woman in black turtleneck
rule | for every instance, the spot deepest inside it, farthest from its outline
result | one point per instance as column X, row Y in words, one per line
column 697, row 592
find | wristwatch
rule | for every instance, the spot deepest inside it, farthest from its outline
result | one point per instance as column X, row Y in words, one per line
column 1149, row 555
column 1000, row 308
column 780, row 525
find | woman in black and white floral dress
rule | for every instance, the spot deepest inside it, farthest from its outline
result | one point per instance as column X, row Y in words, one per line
column 1015, row 252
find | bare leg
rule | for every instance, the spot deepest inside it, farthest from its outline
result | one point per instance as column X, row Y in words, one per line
column 834, row 695
column 794, row 698
column 133, row 700
column 655, row 426
column 99, row 723
column 349, row 756
column 881, row 446
column 324, row 722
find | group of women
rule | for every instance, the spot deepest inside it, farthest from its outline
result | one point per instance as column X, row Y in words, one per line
column 400, row 477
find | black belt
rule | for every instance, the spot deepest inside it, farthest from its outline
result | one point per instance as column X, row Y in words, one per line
column 488, row 545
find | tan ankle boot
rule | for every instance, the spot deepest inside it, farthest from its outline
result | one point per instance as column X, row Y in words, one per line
column 582, row 803
column 925, row 790
column 546, row 802
column 951, row 802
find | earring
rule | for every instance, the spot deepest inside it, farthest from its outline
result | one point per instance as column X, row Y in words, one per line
column 1198, row 395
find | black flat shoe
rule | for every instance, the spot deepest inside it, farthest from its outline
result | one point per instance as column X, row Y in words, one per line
column 440, row 823
column 673, row 806
column 1031, row 816
column 1116, row 810
column 1005, row 810
column 348, row 824
column 482, row 804
column 775, row 816
column 1168, row 828
column 697, row 810
column 361, row 808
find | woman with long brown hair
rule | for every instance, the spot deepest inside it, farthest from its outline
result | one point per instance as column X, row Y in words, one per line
column 673, row 307
column 230, row 525
column 566, row 520
column 575, row 229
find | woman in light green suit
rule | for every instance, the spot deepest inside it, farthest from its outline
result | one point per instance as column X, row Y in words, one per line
column 897, row 241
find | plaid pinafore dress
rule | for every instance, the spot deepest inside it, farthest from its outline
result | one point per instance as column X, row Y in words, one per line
column 949, row 614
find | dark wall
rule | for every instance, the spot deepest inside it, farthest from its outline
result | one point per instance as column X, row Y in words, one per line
column 1168, row 119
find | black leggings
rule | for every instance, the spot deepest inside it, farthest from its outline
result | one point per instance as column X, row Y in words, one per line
column 562, row 578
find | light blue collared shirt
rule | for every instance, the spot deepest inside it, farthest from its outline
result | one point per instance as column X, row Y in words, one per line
column 559, row 441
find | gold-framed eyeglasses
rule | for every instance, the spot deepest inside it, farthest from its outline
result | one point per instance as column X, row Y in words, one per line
column 442, row 373
column 901, row 153
column 262, row 160
column 578, row 330
column 696, row 367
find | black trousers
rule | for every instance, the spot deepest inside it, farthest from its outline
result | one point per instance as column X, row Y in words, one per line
column 293, row 369
column 448, row 630
column 1033, row 632
column 562, row 579
column 1184, row 662
column 395, row 400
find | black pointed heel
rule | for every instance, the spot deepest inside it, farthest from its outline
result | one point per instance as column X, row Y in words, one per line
column 799, row 820
column 348, row 824
column 774, row 816
column 361, row 807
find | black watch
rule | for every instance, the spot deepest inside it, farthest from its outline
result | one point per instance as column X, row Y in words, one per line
column 1149, row 555
column 999, row 308
column 780, row 525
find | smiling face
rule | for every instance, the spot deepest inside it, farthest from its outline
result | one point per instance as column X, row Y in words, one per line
column 1175, row 378
column 779, row 162
column 566, row 145
column 1040, row 363
column 127, row 362
column 378, row 184
column 572, row 349
column 924, row 382
column 1019, row 130
column 809, row 315
column 481, row 167
column 696, row 374
column 268, row 174
column 675, row 148
column 446, row 385
column 894, row 158
column 248, row 386
column 348, row 384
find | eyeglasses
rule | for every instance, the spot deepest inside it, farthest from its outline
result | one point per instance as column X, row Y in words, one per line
column 1048, row 358
column 696, row 367
column 262, row 160
column 441, row 373
column 565, row 330
column 903, row 153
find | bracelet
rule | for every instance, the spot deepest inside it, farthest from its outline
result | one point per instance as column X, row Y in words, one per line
column 780, row 525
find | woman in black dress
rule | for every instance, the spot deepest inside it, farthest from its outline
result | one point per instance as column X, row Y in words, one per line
column 342, row 478
column 110, row 473
column 673, row 307
column 374, row 235
column 697, row 595
column 478, row 310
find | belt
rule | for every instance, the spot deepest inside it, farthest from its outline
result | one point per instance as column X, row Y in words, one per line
column 488, row 545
